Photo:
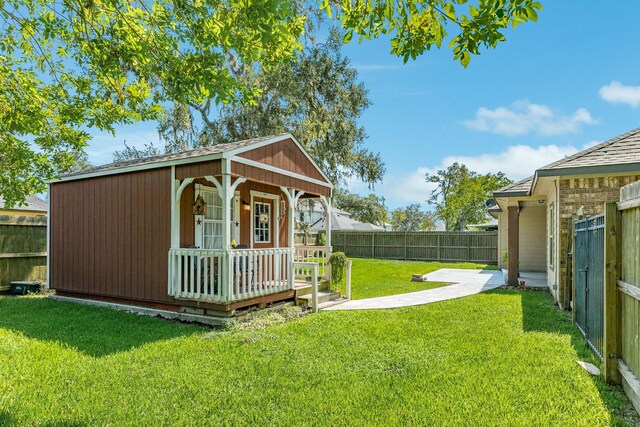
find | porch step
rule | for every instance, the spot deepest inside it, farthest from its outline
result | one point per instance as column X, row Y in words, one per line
column 323, row 297
column 304, row 288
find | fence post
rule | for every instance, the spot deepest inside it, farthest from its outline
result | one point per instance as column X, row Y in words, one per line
column 468, row 247
column 405, row 245
column 438, row 248
column 611, row 309
column 373, row 245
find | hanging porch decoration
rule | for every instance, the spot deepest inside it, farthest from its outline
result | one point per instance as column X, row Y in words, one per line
column 199, row 206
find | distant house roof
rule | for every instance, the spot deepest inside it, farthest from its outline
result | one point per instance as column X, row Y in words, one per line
column 491, row 225
column 33, row 204
column 342, row 221
column 617, row 155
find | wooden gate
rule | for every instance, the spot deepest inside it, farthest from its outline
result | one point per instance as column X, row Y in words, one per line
column 589, row 280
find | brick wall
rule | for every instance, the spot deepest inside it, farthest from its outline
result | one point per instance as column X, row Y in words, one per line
column 591, row 194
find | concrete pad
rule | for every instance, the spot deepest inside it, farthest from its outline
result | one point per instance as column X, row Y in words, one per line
column 592, row 369
column 465, row 283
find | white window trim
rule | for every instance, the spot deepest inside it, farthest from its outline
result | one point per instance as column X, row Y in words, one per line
column 235, row 230
column 275, row 214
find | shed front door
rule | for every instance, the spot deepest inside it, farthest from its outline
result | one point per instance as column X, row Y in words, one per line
column 264, row 226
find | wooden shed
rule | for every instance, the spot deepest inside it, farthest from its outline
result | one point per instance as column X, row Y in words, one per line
column 160, row 232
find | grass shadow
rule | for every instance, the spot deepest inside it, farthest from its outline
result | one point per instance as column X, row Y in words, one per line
column 540, row 314
column 91, row 330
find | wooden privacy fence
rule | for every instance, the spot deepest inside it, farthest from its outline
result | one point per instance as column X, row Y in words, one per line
column 620, row 283
column 471, row 246
column 23, row 246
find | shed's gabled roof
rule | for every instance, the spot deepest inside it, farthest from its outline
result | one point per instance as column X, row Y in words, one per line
column 214, row 152
column 613, row 154
column 32, row 203
column 189, row 154
column 520, row 188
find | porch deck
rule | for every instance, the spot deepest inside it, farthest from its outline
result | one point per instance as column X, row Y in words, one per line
column 227, row 276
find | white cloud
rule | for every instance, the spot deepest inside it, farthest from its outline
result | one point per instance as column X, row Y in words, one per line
column 524, row 117
column 617, row 93
column 516, row 161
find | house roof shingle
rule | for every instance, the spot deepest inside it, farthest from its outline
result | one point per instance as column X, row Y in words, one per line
column 623, row 149
column 199, row 152
column 32, row 203
column 519, row 188
column 619, row 154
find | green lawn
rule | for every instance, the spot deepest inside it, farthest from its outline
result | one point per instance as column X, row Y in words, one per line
column 376, row 278
column 500, row 358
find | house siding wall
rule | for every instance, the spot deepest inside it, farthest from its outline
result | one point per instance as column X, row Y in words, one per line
column 590, row 193
column 532, row 242
column 110, row 235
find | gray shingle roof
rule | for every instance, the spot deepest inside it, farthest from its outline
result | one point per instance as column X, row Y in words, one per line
column 214, row 149
column 623, row 149
column 32, row 204
column 520, row 188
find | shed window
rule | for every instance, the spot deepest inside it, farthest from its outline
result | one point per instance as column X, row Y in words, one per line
column 262, row 222
column 212, row 224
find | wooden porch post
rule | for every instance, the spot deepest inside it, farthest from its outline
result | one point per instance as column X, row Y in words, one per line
column 224, row 189
column 292, row 197
column 326, row 203
column 513, row 244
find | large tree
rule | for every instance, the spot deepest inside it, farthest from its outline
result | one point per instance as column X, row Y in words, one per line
column 460, row 195
column 369, row 208
column 72, row 65
column 317, row 97
column 411, row 218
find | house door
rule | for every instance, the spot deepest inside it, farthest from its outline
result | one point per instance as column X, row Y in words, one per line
column 264, row 224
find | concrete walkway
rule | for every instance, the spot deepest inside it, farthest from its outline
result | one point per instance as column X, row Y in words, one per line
column 465, row 283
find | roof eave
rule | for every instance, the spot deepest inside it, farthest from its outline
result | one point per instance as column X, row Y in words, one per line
column 589, row 170
column 510, row 194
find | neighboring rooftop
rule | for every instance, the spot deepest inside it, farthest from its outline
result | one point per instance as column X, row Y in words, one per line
column 198, row 152
column 342, row 221
column 32, row 204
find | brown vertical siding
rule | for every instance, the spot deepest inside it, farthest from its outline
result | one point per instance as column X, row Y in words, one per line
column 284, row 155
column 212, row 167
column 187, row 226
column 110, row 235
column 272, row 178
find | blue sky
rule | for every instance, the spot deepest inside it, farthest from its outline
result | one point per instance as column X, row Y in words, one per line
column 553, row 88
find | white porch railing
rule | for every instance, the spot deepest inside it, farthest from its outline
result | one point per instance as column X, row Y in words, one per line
column 200, row 273
column 317, row 254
